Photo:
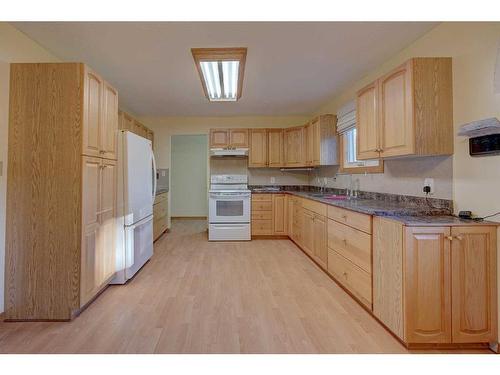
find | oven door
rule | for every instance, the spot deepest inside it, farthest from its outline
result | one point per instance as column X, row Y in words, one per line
column 225, row 207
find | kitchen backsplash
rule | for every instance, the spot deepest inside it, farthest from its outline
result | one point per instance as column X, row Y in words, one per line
column 401, row 176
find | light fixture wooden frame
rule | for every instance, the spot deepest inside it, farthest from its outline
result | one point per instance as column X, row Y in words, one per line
column 221, row 54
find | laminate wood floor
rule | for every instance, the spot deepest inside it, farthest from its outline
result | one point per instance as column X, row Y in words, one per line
column 195, row 296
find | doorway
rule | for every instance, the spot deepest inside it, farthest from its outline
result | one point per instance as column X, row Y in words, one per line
column 189, row 176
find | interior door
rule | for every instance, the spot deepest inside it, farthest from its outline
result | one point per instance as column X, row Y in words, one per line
column 427, row 285
column 108, row 135
column 90, row 267
column 367, row 142
column 92, row 112
column 107, row 230
column 474, row 284
column 396, row 113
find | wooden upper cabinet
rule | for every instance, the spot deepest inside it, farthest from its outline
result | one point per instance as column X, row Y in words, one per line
column 427, row 285
column 219, row 138
column 323, row 141
column 275, row 149
column 474, row 284
column 308, row 144
column 367, row 132
column 294, row 147
column 92, row 116
column 109, row 128
column 126, row 122
column 257, row 153
column 408, row 111
column 396, row 113
column 238, row 138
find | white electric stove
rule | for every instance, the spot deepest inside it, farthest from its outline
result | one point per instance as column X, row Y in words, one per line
column 229, row 208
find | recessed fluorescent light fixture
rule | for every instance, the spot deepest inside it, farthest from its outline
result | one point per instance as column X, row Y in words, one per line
column 221, row 72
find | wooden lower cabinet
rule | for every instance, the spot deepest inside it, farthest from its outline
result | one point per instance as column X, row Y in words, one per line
column 320, row 249
column 279, row 214
column 474, row 284
column 160, row 215
column 307, row 224
column 269, row 215
column 436, row 285
column 427, row 285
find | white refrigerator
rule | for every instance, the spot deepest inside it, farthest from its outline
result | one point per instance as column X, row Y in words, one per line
column 136, row 194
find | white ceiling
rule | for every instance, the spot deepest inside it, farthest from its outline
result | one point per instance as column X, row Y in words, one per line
column 291, row 68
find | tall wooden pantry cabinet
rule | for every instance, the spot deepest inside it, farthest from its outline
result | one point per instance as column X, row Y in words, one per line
column 61, row 190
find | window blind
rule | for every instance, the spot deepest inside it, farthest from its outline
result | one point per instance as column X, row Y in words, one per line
column 346, row 117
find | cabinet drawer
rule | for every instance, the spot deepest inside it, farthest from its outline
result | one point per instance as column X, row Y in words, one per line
column 262, row 206
column 262, row 227
column 316, row 207
column 353, row 278
column 262, row 197
column 353, row 219
column 161, row 197
column 353, row 244
column 262, row 215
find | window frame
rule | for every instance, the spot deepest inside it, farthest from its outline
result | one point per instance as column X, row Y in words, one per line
column 356, row 170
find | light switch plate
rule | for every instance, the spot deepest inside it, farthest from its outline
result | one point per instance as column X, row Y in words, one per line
column 273, row 180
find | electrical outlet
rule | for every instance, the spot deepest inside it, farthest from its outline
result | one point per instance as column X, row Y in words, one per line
column 430, row 183
column 273, row 180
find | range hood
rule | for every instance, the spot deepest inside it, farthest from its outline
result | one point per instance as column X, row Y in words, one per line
column 229, row 152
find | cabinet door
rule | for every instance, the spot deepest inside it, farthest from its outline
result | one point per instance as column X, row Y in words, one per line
column 107, row 229
column 320, row 240
column 427, row 285
column 396, row 113
column 275, row 148
column 219, row 138
column 474, row 284
column 126, row 121
column 290, row 211
column 367, row 123
column 316, row 141
column 257, row 153
column 279, row 214
column 92, row 112
column 90, row 228
column 307, row 231
column 109, row 128
column 308, row 144
column 238, row 138
column 294, row 147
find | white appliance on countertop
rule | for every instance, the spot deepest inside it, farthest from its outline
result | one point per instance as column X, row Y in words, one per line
column 229, row 208
column 136, row 194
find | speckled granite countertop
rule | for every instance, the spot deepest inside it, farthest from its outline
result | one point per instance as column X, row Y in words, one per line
column 411, row 211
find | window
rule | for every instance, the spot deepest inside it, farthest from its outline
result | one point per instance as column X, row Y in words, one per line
column 221, row 72
column 349, row 163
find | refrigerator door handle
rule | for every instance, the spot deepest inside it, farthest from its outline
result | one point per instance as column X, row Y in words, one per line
column 154, row 174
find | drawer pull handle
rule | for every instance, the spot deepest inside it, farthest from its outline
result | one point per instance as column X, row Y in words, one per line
column 460, row 238
column 344, row 217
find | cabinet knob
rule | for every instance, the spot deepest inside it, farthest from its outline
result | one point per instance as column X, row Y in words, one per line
column 449, row 238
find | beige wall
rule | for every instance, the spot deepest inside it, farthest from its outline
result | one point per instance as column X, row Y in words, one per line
column 14, row 47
